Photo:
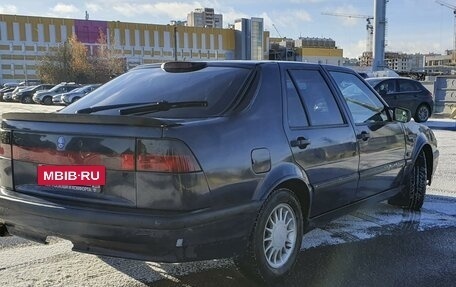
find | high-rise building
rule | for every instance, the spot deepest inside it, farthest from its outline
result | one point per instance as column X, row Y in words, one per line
column 250, row 39
column 204, row 17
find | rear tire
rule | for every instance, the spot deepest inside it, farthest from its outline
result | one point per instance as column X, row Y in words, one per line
column 27, row 100
column 422, row 114
column 413, row 195
column 47, row 101
column 275, row 239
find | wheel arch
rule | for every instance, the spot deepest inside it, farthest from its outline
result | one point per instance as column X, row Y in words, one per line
column 291, row 177
column 423, row 146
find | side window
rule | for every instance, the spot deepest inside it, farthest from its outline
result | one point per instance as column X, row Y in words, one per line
column 296, row 114
column 386, row 87
column 364, row 105
column 407, row 86
column 318, row 100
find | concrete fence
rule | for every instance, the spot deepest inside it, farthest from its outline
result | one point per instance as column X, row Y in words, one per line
column 444, row 92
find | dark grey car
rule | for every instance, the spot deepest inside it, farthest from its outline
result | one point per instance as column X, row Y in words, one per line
column 206, row 160
column 406, row 93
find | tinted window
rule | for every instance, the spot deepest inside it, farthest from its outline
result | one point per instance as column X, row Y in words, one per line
column 219, row 86
column 386, row 87
column 408, row 86
column 296, row 113
column 320, row 104
column 364, row 105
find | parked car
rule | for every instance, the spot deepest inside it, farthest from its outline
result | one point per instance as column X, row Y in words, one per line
column 45, row 97
column 33, row 82
column 4, row 90
column 406, row 93
column 57, row 99
column 76, row 94
column 8, row 96
column 237, row 159
column 25, row 96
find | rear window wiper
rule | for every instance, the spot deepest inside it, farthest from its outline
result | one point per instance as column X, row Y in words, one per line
column 107, row 107
column 161, row 106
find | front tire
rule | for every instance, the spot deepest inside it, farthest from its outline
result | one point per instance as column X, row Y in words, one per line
column 415, row 190
column 275, row 240
column 422, row 114
column 27, row 100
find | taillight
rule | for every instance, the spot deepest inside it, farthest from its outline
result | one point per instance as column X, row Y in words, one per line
column 169, row 156
column 5, row 144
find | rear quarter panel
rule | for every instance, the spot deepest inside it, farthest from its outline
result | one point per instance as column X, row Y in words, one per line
column 223, row 146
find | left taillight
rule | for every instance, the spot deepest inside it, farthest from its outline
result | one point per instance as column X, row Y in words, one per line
column 5, row 144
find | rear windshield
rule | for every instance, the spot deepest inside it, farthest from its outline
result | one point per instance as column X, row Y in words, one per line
column 219, row 86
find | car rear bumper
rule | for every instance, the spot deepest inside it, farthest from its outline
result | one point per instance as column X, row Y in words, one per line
column 142, row 235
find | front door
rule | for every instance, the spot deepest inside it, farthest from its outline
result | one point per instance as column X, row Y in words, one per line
column 380, row 140
column 321, row 139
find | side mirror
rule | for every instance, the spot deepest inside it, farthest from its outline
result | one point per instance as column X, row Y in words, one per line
column 401, row 115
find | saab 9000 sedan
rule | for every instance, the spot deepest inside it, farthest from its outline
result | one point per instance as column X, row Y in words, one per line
column 187, row 161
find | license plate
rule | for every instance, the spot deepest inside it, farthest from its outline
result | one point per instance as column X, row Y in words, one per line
column 71, row 175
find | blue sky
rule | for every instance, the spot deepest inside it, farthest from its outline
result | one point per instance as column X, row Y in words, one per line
column 413, row 25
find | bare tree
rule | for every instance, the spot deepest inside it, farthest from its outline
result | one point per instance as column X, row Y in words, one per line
column 107, row 62
column 70, row 62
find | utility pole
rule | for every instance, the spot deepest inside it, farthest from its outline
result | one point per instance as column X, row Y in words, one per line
column 175, row 42
column 379, row 35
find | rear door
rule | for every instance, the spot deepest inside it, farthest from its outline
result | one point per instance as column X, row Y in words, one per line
column 380, row 140
column 321, row 140
column 408, row 94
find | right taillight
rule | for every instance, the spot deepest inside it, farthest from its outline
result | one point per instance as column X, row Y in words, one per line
column 168, row 156
column 5, row 144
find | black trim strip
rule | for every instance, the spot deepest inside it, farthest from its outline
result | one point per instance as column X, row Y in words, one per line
column 89, row 119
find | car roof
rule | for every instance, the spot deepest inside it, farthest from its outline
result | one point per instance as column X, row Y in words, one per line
column 389, row 78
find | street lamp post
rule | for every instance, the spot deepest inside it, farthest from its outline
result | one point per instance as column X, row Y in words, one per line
column 175, row 42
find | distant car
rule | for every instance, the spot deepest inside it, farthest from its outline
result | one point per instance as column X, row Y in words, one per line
column 8, row 96
column 5, row 90
column 57, row 99
column 25, row 96
column 45, row 97
column 76, row 94
column 406, row 93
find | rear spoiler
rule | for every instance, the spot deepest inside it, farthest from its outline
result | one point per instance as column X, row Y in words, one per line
column 89, row 119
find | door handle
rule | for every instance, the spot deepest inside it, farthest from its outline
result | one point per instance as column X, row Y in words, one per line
column 363, row 136
column 300, row 142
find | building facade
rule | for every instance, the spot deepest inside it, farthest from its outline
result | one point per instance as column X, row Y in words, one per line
column 252, row 43
column 399, row 62
column 205, row 17
column 440, row 64
column 318, row 50
column 24, row 40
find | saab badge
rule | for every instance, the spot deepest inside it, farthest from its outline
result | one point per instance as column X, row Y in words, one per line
column 60, row 143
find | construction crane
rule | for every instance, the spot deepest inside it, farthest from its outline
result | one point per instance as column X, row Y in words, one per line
column 452, row 7
column 369, row 26
column 273, row 25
